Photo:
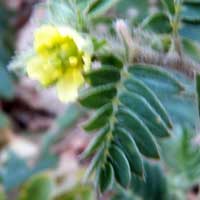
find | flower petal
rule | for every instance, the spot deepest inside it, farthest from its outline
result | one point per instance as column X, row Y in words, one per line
column 35, row 70
column 87, row 62
column 83, row 43
column 39, row 69
column 68, row 85
column 45, row 37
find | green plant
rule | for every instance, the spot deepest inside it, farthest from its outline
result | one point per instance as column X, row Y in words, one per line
column 141, row 86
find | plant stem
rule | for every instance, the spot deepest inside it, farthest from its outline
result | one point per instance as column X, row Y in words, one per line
column 175, row 22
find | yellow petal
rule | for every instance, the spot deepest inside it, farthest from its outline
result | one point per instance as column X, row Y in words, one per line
column 83, row 43
column 46, row 36
column 87, row 62
column 39, row 69
column 73, row 61
column 68, row 85
column 34, row 69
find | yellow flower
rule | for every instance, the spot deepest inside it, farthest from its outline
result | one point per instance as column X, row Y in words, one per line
column 61, row 55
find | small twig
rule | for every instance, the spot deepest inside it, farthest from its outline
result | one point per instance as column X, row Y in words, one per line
column 172, row 60
column 139, row 53
column 175, row 23
column 126, row 37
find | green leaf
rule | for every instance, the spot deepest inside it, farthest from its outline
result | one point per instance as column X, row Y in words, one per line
column 83, row 4
column 39, row 187
column 106, row 177
column 191, row 31
column 128, row 146
column 96, row 142
column 6, row 85
column 182, row 109
column 141, row 134
column 154, row 186
column 110, row 60
column 138, row 87
column 146, row 113
column 7, row 35
column 60, row 12
column 169, row 4
column 141, row 8
column 186, row 157
column 192, row 1
column 191, row 48
column 158, row 23
column 14, row 172
column 98, row 44
column 99, row 7
column 179, row 104
column 94, row 164
column 100, row 118
column 103, row 75
column 191, row 13
column 97, row 96
column 156, row 79
column 120, row 165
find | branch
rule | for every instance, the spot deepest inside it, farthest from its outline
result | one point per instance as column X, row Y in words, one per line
column 138, row 53
column 172, row 60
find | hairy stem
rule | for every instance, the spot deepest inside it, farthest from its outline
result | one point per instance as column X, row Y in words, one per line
column 138, row 53
column 185, row 65
column 175, row 23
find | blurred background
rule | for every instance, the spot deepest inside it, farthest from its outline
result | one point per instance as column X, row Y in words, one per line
column 37, row 131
